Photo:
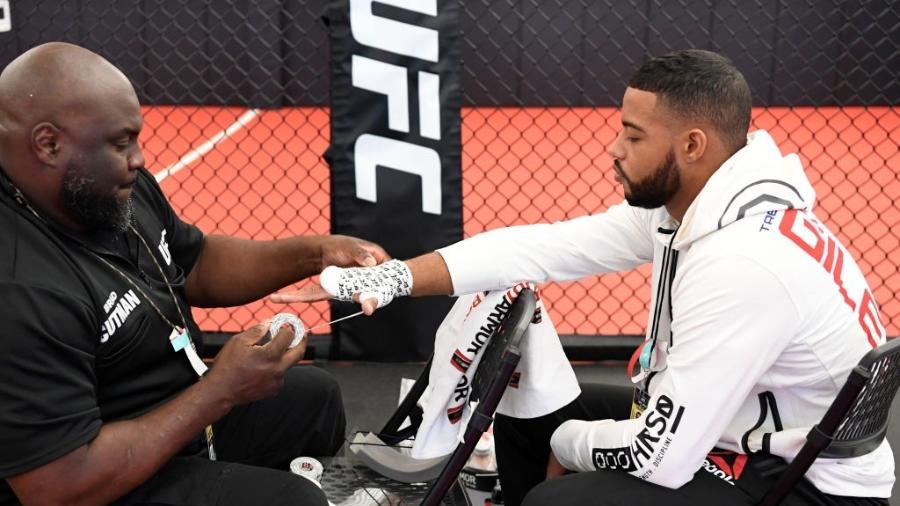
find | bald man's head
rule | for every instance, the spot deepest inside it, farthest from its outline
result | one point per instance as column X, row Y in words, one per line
column 58, row 82
column 69, row 122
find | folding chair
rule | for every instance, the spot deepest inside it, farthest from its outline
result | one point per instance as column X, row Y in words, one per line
column 498, row 363
column 855, row 423
column 377, row 451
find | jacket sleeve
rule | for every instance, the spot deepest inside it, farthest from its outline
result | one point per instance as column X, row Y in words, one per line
column 616, row 240
column 732, row 317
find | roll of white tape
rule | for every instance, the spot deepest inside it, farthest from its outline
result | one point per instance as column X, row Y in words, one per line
column 308, row 468
column 288, row 319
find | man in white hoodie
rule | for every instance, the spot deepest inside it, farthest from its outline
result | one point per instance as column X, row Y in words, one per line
column 758, row 312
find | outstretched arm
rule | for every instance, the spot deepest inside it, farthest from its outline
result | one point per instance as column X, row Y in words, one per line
column 232, row 271
column 616, row 240
column 426, row 275
column 430, row 275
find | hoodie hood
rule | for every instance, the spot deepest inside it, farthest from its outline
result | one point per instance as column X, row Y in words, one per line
column 755, row 180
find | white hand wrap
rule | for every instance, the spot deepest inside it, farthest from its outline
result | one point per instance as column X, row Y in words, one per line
column 382, row 282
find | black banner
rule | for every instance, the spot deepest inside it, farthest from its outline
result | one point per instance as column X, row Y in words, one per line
column 271, row 53
column 395, row 154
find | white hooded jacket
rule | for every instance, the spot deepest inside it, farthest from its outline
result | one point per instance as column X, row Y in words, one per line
column 757, row 316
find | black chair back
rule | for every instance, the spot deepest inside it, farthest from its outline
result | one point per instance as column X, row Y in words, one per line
column 855, row 423
column 497, row 365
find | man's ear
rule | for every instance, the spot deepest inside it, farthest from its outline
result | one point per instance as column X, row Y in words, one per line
column 694, row 145
column 45, row 141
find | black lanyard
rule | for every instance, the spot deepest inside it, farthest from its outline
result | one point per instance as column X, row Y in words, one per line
column 137, row 287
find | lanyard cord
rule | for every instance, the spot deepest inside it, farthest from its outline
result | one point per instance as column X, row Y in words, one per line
column 644, row 351
column 137, row 287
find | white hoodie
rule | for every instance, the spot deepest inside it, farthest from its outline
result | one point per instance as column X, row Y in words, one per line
column 768, row 315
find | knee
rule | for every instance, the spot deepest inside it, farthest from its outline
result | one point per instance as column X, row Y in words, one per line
column 314, row 387
column 240, row 484
column 317, row 390
column 332, row 399
column 296, row 487
column 543, row 494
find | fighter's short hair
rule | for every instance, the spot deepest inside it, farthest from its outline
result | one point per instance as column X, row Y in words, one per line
column 694, row 83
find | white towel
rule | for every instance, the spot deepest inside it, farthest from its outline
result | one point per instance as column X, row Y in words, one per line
column 543, row 382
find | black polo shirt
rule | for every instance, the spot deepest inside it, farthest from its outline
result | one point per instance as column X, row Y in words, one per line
column 79, row 344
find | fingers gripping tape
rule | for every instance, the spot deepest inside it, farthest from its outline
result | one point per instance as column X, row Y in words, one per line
column 383, row 282
column 291, row 320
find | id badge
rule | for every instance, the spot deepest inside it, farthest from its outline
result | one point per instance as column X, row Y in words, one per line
column 639, row 402
column 181, row 340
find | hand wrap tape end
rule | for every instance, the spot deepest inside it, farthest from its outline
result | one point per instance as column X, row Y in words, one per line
column 379, row 298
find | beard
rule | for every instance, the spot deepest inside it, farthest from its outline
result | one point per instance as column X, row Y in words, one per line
column 90, row 206
column 655, row 190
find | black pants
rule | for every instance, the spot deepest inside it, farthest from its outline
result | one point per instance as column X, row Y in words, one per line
column 523, row 448
column 255, row 444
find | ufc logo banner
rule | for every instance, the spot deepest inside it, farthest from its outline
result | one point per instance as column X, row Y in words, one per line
column 395, row 154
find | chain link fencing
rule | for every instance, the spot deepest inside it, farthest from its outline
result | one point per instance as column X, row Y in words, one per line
column 236, row 94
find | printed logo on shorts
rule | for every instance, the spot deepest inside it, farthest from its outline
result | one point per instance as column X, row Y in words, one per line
column 726, row 465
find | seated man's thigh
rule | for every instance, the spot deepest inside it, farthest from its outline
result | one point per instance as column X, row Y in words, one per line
column 305, row 419
column 197, row 481
column 612, row 488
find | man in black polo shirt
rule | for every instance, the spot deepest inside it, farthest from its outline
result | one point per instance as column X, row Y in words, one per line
column 99, row 397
